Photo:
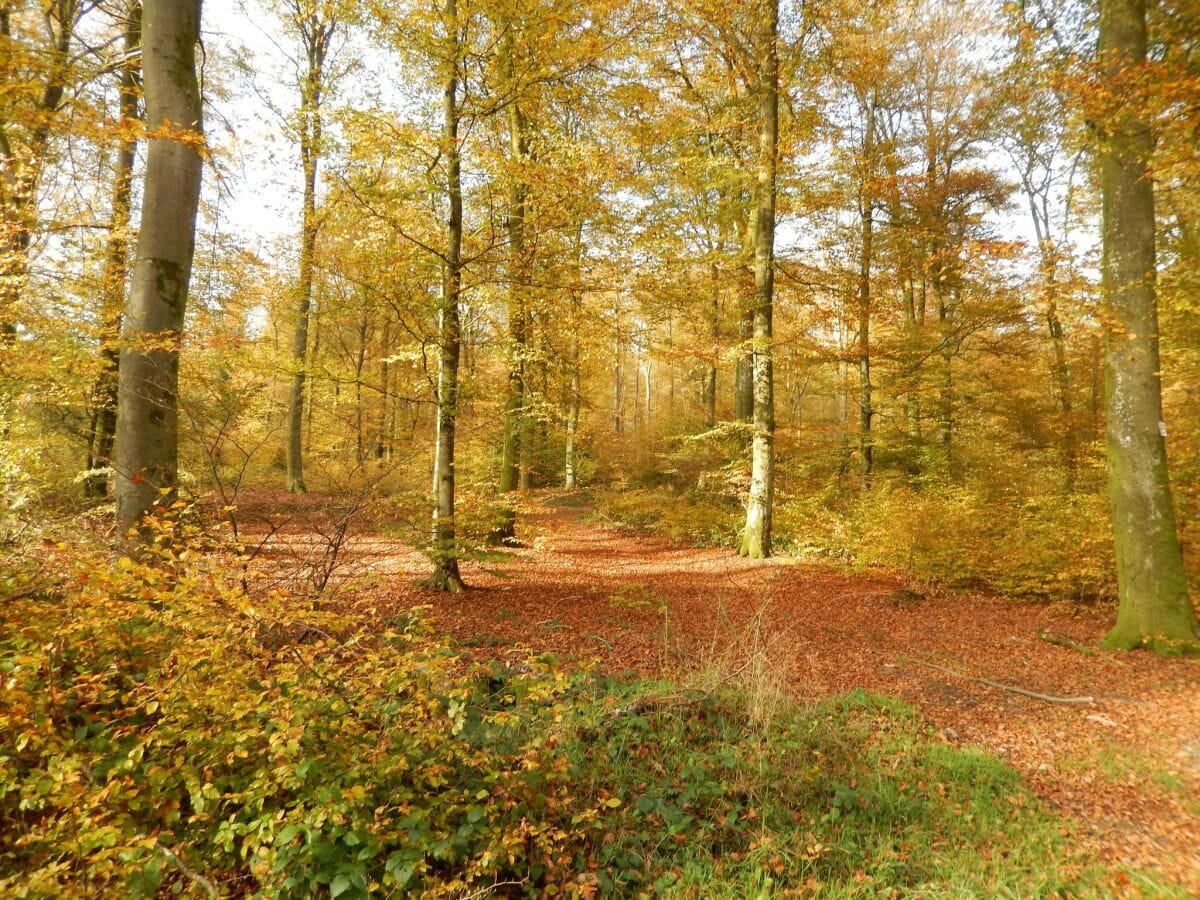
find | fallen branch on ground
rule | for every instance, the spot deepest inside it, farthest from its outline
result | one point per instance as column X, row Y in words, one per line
column 1048, row 698
column 1060, row 640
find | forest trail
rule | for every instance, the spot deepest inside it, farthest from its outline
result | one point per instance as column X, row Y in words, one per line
column 1126, row 767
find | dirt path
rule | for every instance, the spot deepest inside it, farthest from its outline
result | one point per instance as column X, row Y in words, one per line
column 1127, row 766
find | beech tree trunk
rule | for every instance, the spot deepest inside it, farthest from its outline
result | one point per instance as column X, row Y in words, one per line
column 756, row 536
column 570, row 462
column 360, row 359
column 743, row 373
column 446, row 576
column 147, row 407
column 708, row 389
column 383, row 444
column 1155, row 610
column 617, row 388
column 316, row 32
column 1062, row 373
column 944, row 311
column 511, row 470
column 866, row 410
column 116, row 264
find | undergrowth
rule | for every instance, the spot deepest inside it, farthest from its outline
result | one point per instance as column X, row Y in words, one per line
column 1043, row 546
column 164, row 734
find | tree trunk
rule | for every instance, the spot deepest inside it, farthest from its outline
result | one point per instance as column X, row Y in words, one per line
column 1155, row 610
column 743, row 373
column 649, row 391
column 116, row 264
column 445, row 550
column 944, row 312
column 570, row 463
column 756, row 536
column 866, row 411
column 147, row 408
column 511, row 470
column 383, row 443
column 570, row 469
column 708, row 392
column 913, row 325
column 1054, row 328
column 617, row 389
column 1062, row 382
column 315, row 34
column 360, row 359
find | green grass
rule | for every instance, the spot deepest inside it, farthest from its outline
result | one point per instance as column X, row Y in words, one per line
column 851, row 798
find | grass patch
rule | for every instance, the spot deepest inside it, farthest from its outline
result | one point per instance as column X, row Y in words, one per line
column 852, row 797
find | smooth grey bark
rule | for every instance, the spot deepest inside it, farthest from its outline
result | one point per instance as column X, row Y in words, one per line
column 1154, row 607
column 147, row 406
column 116, row 265
column 446, row 576
column 315, row 25
column 756, row 535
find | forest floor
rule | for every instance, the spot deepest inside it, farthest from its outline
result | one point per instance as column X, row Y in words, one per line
column 1125, row 767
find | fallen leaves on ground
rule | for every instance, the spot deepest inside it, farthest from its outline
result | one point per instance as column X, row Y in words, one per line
column 1126, row 767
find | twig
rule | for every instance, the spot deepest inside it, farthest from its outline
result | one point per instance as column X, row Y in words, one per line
column 1060, row 640
column 207, row 886
column 1048, row 698
column 30, row 591
column 491, row 887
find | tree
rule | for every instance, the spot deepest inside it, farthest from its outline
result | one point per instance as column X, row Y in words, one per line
column 147, row 415
column 104, row 412
column 756, row 536
column 314, row 22
column 512, row 473
column 445, row 551
column 1155, row 610
column 25, row 131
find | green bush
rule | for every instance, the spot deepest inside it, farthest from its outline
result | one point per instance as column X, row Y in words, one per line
column 163, row 731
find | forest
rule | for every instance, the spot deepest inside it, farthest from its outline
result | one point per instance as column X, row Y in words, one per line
column 586, row 448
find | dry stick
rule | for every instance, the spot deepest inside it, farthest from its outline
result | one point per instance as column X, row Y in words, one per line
column 30, row 592
column 1048, row 698
column 1059, row 640
column 492, row 887
column 207, row 886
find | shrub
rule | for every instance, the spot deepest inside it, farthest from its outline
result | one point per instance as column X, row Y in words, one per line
column 162, row 732
column 704, row 520
column 1043, row 545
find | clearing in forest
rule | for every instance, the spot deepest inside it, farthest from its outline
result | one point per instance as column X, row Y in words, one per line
column 1125, row 764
